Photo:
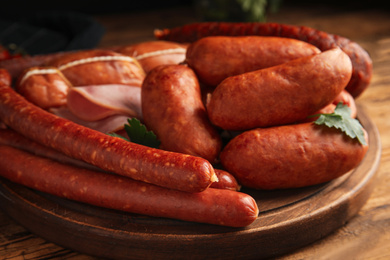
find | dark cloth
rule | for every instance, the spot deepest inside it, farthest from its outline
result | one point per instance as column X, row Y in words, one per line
column 51, row 31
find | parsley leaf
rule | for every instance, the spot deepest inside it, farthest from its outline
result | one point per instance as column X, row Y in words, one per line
column 341, row 119
column 138, row 133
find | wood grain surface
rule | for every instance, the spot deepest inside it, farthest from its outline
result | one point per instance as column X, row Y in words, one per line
column 365, row 236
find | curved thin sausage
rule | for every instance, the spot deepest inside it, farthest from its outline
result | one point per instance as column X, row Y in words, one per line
column 11, row 138
column 113, row 154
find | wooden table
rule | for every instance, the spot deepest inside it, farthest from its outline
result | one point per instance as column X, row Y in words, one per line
column 367, row 235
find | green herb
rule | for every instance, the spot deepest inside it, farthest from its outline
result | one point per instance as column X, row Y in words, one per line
column 138, row 133
column 341, row 119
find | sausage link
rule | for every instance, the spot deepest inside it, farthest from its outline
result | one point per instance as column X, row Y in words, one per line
column 213, row 206
column 281, row 94
column 215, row 58
column 172, row 107
column 151, row 54
column 11, row 138
column 113, row 154
column 5, row 77
column 225, row 181
column 291, row 156
column 15, row 67
column 362, row 63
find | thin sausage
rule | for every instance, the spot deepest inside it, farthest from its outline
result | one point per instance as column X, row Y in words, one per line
column 281, row 94
column 11, row 138
column 213, row 206
column 113, row 154
column 215, row 58
column 291, row 156
column 172, row 107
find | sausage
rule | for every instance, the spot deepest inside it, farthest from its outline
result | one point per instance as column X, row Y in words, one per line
column 98, row 67
column 215, row 58
column 15, row 67
column 113, row 154
column 5, row 77
column 172, row 108
column 361, row 60
column 45, row 87
column 11, row 138
column 225, row 181
column 213, row 206
column 291, row 156
column 281, row 94
column 151, row 54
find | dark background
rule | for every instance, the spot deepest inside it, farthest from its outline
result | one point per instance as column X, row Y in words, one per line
column 12, row 9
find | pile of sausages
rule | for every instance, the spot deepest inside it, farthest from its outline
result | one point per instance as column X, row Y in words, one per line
column 233, row 111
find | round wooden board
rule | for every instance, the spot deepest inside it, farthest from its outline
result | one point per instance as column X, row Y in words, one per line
column 288, row 220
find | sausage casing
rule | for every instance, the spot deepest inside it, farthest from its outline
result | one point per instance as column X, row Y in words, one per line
column 172, row 108
column 113, row 154
column 291, row 156
column 281, row 94
column 215, row 58
column 213, row 206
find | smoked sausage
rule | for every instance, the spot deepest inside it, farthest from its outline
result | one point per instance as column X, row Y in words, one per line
column 113, row 154
column 172, row 108
column 5, row 77
column 281, row 94
column 11, row 138
column 213, row 206
column 151, row 54
column 99, row 67
column 45, row 87
column 225, row 181
column 291, row 156
column 361, row 60
column 215, row 58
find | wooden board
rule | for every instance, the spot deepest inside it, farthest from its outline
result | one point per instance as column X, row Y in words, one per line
column 288, row 220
